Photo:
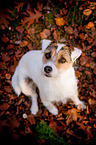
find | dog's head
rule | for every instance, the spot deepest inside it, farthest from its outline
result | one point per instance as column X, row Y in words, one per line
column 57, row 58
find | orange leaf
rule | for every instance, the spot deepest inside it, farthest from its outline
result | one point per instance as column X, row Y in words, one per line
column 20, row 29
column 20, row 5
column 31, row 17
column 87, row 12
column 3, row 19
column 89, row 25
column 59, row 21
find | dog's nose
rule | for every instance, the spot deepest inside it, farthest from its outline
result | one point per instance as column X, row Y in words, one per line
column 48, row 69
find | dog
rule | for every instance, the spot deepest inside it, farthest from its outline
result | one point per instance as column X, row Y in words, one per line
column 51, row 70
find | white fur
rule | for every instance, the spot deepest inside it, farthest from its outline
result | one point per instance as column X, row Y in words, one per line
column 60, row 46
column 59, row 87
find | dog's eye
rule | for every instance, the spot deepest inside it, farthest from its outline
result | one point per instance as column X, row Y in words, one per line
column 48, row 55
column 62, row 60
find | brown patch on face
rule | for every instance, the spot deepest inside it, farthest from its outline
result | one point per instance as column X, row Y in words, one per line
column 63, row 59
column 49, row 52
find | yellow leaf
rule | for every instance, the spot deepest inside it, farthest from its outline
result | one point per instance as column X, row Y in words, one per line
column 87, row 12
column 59, row 21
column 89, row 25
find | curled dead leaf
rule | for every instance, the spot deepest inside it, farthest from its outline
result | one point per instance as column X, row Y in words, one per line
column 31, row 119
column 8, row 89
column 87, row 12
column 5, row 57
column 45, row 34
column 84, row 60
column 23, row 43
column 53, row 125
column 5, row 39
column 56, row 35
column 20, row 29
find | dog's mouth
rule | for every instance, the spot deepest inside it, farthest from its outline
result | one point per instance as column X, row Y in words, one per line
column 47, row 75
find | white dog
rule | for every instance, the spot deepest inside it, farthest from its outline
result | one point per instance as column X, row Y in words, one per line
column 51, row 70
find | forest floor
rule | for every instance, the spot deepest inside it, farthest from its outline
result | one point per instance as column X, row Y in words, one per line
column 22, row 28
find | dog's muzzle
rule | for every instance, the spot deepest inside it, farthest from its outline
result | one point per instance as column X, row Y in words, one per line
column 47, row 70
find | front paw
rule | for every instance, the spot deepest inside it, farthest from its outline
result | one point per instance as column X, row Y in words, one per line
column 54, row 111
column 81, row 105
column 34, row 109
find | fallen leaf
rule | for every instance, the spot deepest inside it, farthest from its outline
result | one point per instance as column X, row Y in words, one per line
column 8, row 76
column 89, row 25
column 19, row 5
column 92, row 5
column 77, row 73
column 84, row 60
column 29, row 20
column 39, row 6
column 45, row 34
column 5, row 57
column 56, row 35
column 4, row 106
column 10, row 46
column 23, row 43
column 8, row 89
column 53, row 125
column 87, row 12
column 5, row 39
column 92, row 64
column 20, row 29
column 31, row 119
column 93, row 54
column 3, row 19
column 60, row 21
column 13, row 123
column 69, row 29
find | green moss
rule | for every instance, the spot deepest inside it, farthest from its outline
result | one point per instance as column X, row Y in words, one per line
column 50, row 137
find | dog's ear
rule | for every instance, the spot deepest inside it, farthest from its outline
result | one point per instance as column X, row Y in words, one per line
column 45, row 43
column 75, row 54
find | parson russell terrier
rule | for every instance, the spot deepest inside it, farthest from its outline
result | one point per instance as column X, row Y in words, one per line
column 51, row 70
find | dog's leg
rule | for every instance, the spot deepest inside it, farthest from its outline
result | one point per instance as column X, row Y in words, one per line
column 28, row 87
column 52, row 109
column 77, row 102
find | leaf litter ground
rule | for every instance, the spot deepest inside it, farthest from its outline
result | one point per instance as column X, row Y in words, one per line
column 73, row 125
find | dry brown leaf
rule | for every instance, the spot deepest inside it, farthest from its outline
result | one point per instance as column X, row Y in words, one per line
column 23, row 43
column 93, row 54
column 31, row 119
column 8, row 76
column 3, row 19
column 87, row 12
column 20, row 29
column 19, row 5
column 31, row 17
column 56, row 35
column 8, row 89
column 53, row 125
column 84, row 60
column 5, row 39
column 78, row 74
column 4, row 106
column 5, row 57
column 45, row 34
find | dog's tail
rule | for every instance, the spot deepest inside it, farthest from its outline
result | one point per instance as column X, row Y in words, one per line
column 15, row 83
